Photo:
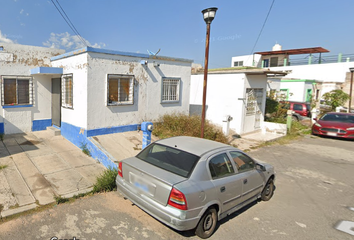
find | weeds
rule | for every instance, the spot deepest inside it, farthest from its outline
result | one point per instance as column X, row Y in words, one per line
column 171, row 125
column 60, row 199
column 2, row 136
column 85, row 150
column 3, row 166
column 106, row 182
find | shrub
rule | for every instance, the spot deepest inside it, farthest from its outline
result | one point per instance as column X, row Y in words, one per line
column 171, row 125
column 106, row 182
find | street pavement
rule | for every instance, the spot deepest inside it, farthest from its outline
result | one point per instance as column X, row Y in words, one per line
column 313, row 200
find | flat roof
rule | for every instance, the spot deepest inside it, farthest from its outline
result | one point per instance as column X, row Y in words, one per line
column 252, row 71
column 114, row 52
column 295, row 51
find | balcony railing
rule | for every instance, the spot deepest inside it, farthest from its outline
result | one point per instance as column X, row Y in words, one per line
column 315, row 59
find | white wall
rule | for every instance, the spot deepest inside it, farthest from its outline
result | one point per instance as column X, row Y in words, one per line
column 90, row 70
column 77, row 66
column 18, row 60
column 223, row 91
column 296, row 90
column 248, row 60
column 42, row 92
column 327, row 72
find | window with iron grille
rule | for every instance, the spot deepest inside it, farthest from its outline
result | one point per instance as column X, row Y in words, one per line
column 120, row 89
column 67, row 91
column 170, row 90
column 16, row 90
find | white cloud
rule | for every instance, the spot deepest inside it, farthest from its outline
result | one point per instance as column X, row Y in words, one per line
column 68, row 42
column 22, row 11
column 4, row 39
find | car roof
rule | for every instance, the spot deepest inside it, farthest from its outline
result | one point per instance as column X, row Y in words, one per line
column 196, row 146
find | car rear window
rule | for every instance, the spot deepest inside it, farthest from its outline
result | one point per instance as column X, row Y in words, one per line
column 169, row 159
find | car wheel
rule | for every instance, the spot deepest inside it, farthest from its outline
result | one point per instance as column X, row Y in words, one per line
column 207, row 224
column 268, row 190
column 294, row 118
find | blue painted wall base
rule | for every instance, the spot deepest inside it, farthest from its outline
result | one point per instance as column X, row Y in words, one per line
column 81, row 137
column 39, row 125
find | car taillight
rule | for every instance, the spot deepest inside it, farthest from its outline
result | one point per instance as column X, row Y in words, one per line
column 120, row 169
column 177, row 199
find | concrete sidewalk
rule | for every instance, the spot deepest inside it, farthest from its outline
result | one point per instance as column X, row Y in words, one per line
column 39, row 167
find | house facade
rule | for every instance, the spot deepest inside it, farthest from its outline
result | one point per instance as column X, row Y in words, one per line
column 25, row 98
column 107, row 91
column 235, row 99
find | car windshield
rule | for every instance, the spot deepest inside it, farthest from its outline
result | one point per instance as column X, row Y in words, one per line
column 169, row 159
column 338, row 118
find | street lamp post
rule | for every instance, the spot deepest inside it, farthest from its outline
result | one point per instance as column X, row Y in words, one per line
column 351, row 88
column 208, row 15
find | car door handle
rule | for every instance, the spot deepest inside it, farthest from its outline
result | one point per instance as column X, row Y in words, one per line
column 244, row 181
column 222, row 189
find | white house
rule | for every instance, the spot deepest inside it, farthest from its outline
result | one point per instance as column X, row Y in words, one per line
column 253, row 60
column 235, row 99
column 107, row 91
column 310, row 74
column 88, row 92
column 25, row 98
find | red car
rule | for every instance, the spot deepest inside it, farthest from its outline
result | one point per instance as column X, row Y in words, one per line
column 335, row 124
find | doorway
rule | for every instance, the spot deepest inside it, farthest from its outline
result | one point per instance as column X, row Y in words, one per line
column 56, row 102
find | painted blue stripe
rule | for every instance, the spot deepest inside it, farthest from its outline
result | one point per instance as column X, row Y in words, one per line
column 39, row 125
column 81, row 137
column 118, row 129
column 2, row 129
column 16, row 106
column 46, row 70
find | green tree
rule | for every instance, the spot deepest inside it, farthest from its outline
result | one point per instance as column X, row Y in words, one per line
column 335, row 98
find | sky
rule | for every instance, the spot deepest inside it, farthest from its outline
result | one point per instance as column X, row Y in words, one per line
column 177, row 27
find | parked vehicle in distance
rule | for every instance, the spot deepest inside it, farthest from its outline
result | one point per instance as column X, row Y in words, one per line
column 191, row 183
column 335, row 124
column 301, row 108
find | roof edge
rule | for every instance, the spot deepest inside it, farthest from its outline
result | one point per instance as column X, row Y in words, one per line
column 114, row 52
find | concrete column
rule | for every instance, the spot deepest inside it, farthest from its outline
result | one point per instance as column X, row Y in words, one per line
column 310, row 59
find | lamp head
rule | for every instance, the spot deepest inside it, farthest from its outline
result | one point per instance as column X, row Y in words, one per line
column 209, row 14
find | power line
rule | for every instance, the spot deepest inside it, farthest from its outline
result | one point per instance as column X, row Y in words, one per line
column 264, row 23
column 71, row 25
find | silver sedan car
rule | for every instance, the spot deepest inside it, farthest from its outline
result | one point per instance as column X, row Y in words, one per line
column 191, row 183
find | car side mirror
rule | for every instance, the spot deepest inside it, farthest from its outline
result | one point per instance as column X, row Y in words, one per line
column 260, row 167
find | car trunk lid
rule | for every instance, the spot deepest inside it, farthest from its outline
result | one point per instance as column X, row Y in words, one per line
column 148, row 180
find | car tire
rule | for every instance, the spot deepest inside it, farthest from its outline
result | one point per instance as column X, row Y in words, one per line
column 268, row 190
column 294, row 118
column 207, row 224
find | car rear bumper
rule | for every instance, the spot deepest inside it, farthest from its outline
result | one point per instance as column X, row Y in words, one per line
column 168, row 215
